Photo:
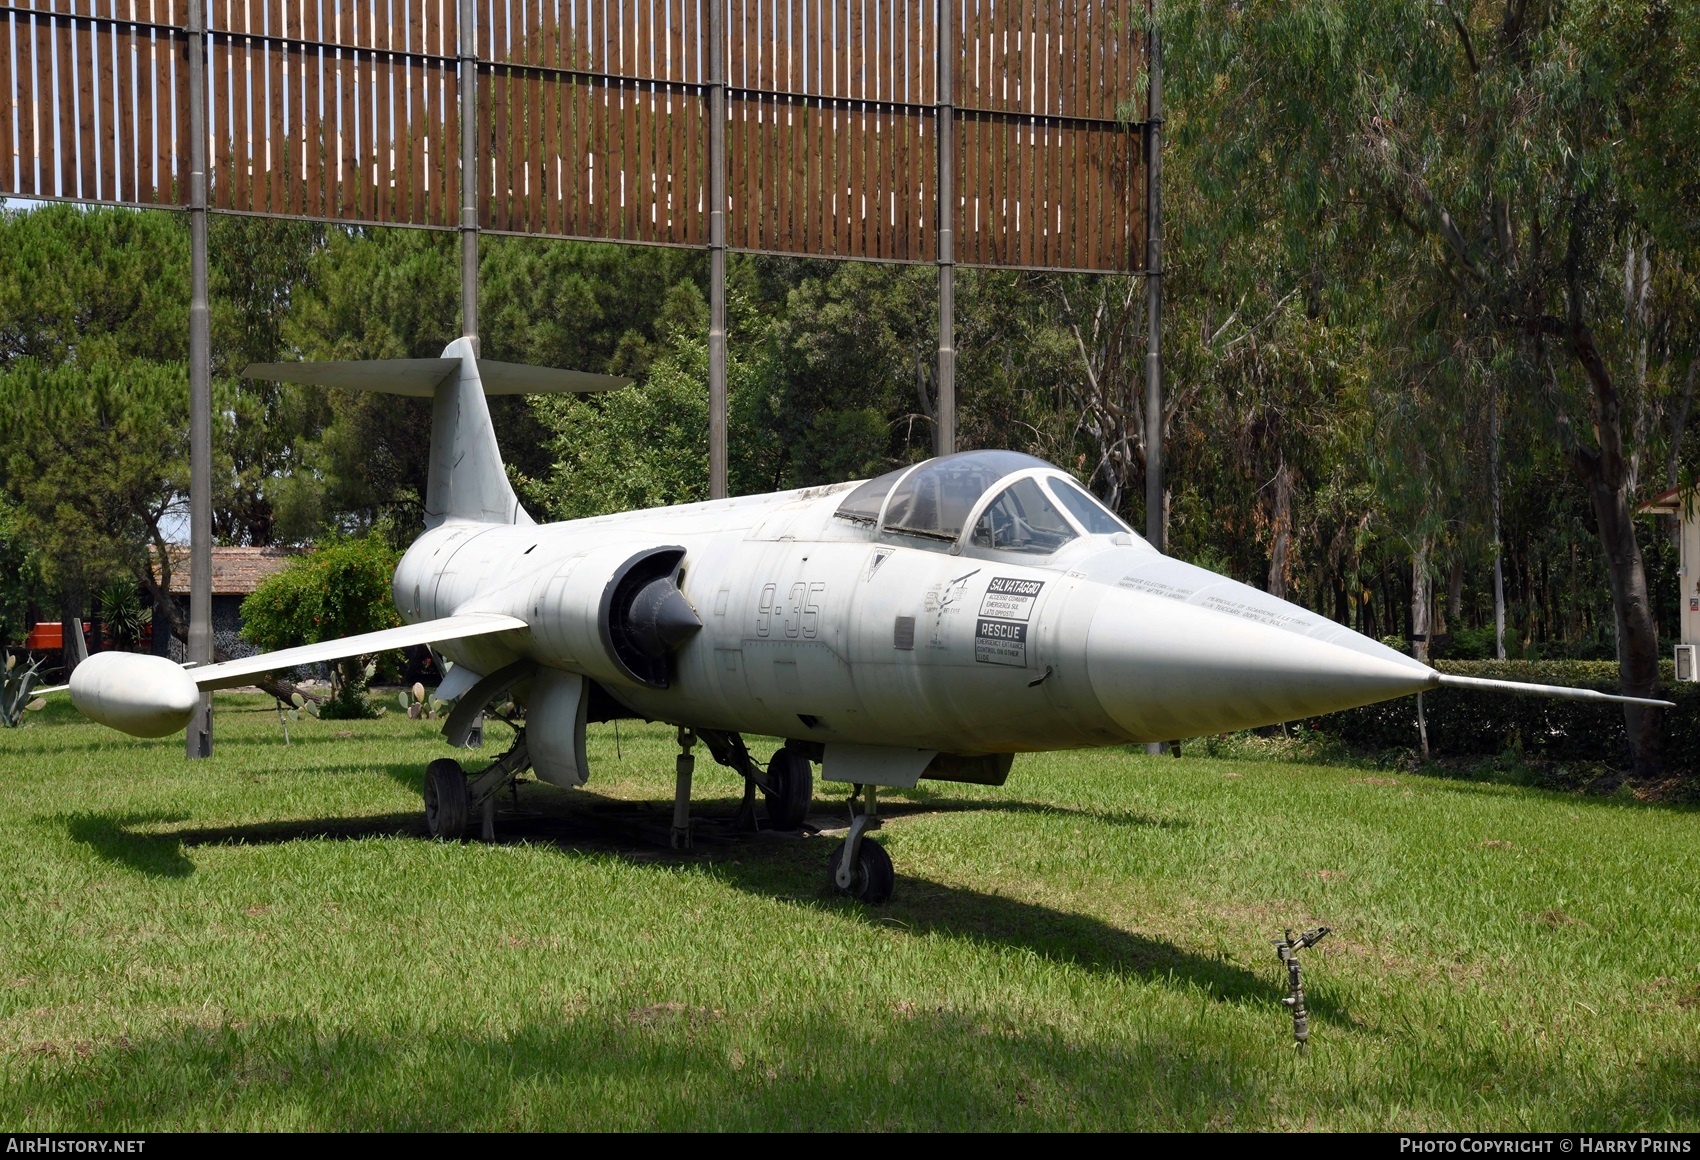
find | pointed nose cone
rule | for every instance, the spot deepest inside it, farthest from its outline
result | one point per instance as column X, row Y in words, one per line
column 662, row 619
column 1164, row 670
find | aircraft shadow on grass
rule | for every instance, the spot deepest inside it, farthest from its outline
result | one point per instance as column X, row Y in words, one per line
column 778, row 866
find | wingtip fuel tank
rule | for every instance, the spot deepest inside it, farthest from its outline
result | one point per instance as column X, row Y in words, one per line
column 134, row 693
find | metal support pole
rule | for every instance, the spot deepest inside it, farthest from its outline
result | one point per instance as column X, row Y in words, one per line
column 717, row 249
column 1156, row 517
column 945, row 128
column 200, row 650
column 468, row 97
column 1156, row 521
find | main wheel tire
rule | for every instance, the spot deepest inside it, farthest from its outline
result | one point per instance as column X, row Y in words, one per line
column 874, row 877
column 447, row 804
column 793, row 779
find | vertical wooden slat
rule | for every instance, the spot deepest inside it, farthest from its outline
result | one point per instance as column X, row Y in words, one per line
column 277, row 152
column 683, row 103
column 37, row 158
column 59, row 123
column 295, row 140
column 641, row 194
column 347, row 183
column 879, row 187
column 342, row 182
column 119, row 107
column 498, row 153
column 603, row 111
column 597, row 134
column 1053, row 136
column 1058, row 101
column 677, row 99
column 909, row 153
column 148, row 91
column 88, row 169
column 180, row 132
column 554, row 149
column 814, row 136
column 101, row 170
column 379, row 153
column 220, row 146
column 741, row 150
column 1076, row 153
column 445, row 161
column 312, row 119
column 408, row 134
column 16, row 147
column 650, row 64
column 926, row 167
column 534, row 135
column 630, row 142
column 247, row 121
column 368, row 145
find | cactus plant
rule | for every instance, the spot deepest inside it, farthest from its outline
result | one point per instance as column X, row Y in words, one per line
column 420, row 706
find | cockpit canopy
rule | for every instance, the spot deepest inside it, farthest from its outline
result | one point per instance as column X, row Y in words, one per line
column 1036, row 513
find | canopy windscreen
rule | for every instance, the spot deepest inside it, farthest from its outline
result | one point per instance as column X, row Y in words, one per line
column 935, row 499
column 1097, row 519
column 1023, row 519
column 863, row 504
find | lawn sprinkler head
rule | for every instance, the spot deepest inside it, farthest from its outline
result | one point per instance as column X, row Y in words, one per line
column 1287, row 949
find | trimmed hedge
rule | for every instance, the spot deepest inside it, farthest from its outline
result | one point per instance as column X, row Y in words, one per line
column 1469, row 722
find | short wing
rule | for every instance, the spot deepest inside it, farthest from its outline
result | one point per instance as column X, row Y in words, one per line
column 242, row 672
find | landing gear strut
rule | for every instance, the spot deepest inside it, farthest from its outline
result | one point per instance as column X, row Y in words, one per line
column 860, row 866
column 787, row 781
column 450, row 796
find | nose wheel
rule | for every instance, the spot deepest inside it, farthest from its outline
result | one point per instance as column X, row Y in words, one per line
column 868, row 875
column 860, row 867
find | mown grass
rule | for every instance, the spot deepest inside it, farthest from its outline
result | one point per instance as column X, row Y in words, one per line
column 265, row 940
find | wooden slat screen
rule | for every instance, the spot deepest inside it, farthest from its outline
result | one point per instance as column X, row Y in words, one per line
column 591, row 118
column 594, row 116
column 334, row 109
column 91, row 106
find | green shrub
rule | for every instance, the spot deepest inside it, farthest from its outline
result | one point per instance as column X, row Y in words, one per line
column 1470, row 722
column 342, row 588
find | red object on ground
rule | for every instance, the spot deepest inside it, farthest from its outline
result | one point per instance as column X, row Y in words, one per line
column 48, row 634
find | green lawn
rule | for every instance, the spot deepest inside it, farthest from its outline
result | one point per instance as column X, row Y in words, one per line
column 265, row 940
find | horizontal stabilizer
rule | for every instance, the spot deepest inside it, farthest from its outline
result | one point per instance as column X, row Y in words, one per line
column 230, row 674
column 419, row 377
column 1447, row 680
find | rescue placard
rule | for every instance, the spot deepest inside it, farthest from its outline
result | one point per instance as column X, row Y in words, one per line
column 1008, row 598
column 1000, row 642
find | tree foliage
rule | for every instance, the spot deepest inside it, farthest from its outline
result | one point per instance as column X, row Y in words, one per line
column 341, row 588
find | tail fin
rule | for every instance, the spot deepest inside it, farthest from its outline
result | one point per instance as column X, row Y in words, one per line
column 465, row 478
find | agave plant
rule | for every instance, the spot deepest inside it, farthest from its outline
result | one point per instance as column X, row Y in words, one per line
column 15, row 686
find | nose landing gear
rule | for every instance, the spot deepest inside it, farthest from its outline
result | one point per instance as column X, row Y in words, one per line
column 860, row 867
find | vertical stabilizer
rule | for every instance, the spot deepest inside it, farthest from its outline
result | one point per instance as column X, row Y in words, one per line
column 466, row 479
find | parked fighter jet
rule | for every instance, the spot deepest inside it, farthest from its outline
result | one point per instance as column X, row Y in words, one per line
column 931, row 623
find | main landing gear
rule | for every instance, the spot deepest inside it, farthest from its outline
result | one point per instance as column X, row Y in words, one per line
column 451, row 797
column 786, row 782
column 859, row 866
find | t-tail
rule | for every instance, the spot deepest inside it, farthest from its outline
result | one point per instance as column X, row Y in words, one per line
column 465, row 478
